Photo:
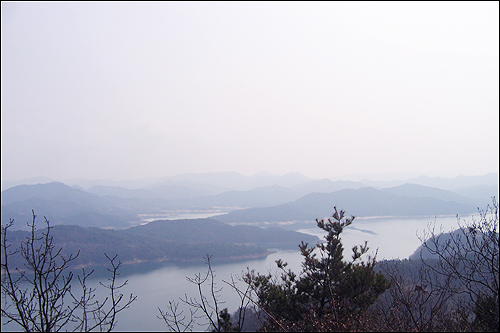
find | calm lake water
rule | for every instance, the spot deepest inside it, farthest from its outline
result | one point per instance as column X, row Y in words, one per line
column 155, row 286
column 183, row 214
column 392, row 237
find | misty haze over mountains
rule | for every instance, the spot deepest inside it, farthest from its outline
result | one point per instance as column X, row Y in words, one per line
column 218, row 182
column 231, row 216
column 263, row 197
column 215, row 181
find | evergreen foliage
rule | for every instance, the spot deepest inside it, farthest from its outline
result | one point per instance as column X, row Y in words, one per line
column 330, row 294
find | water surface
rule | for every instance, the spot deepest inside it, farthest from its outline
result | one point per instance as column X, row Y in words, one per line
column 155, row 285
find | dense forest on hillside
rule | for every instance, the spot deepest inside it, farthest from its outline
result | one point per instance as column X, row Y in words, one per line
column 166, row 241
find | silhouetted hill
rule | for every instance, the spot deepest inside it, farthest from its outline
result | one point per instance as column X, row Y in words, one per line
column 490, row 179
column 479, row 193
column 63, row 205
column 121, row 192
column 54, row 191
column 325, row 186
column 359, row 202
column 263, row 196
column 420, row 191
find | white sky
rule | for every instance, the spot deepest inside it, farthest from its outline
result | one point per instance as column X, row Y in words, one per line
column 132, row 90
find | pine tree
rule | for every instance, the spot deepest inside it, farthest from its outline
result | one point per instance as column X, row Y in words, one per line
column 330, row 294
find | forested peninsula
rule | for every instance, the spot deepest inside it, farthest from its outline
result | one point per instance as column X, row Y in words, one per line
column 164, row 241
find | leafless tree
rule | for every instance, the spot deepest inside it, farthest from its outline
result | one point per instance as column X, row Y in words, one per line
column 39, row 297
column 175, row 318
column 418, row 300
column 454, row 285
column 208, row 308
column 470, row 257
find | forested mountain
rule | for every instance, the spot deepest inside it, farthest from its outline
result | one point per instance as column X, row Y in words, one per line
column 450, row 240
column 166, row 241
column 197, row 231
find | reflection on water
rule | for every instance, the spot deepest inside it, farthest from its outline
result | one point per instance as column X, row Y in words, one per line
column 156, row 285
column 168, row 283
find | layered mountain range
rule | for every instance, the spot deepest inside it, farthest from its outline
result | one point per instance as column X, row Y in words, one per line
column 261, row 198
column 97, row 217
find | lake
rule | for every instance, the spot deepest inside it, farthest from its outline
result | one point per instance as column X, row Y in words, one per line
column 183, row 214
column 392, row 237
column 154, row 286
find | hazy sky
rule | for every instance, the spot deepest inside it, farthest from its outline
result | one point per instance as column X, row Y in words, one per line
column 132, row 90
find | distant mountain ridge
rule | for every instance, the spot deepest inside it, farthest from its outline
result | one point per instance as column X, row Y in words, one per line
column 237, row 181
column 359, row 202
column 63, row 205
column 265, row 196
column 218, row 181
column 50, row 191
column 457, row 182
column 420, row 191
column 118, row 207
column 451, row 184
column 166, row 191
column 226, row 181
